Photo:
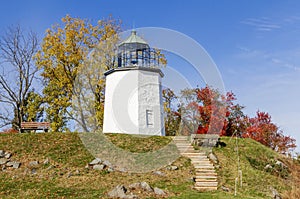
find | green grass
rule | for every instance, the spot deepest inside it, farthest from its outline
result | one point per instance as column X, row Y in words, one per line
column 253, row 159
column 138, row 144
column 68, row 155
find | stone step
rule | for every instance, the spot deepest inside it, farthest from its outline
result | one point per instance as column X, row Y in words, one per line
column 183, row 145
column 200, row 161
column 196, row 162
column 204, row 167
column 206, row 188
column 206, row 177
column 202, row 164
column 205, row 171
column 182, row 141
column 195, row 158
column 181, row 137
column 195, row 154
column 205, row 180
column 206, row 184
column 185, row 151
column 200, row 171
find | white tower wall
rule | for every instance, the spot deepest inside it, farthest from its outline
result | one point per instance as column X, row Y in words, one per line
column 133, row 101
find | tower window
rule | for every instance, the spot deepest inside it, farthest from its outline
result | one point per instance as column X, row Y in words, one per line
column 149, row 118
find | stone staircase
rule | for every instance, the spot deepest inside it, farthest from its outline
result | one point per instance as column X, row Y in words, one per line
column 206, row 176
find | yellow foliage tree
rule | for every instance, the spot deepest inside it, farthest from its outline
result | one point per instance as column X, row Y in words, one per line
column 65, row 58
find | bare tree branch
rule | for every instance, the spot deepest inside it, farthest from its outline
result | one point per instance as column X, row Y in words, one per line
column 17, row 51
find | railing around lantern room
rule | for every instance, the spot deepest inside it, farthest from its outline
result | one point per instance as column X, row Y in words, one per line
column 146, row 57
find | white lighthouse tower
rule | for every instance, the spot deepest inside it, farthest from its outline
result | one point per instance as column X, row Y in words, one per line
column 133, row 94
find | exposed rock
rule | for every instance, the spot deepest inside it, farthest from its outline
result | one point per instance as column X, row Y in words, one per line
column 213, row 158
column 279, row 163
column 159, row 191
column 131, row 196
column 70, row 174
column 99, row 167
column 118, row 192
column 16, row 165
column 268, row 166
column 145, row 186
column 2, row 154
column 172, row 168
column 34, row 171
column 95, row 161
column 7, row 155
column 77, row 172
column 159, row 173
column 3, row 161
column 50, row 167
column 275, row 193
column 110, row 169
column 136, row 185
column 33, row 164
column 3, row 168
column 123, row 170
column 13, row 164
column 225, row 188
column 107, row 163
column 46, row 161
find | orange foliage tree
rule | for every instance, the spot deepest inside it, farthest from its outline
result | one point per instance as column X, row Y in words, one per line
column 214, row 113
column 262, row 129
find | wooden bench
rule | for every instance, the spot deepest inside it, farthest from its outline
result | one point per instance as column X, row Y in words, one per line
column 35, row 126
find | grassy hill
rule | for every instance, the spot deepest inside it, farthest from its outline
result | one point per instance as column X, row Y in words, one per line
column 64, row 174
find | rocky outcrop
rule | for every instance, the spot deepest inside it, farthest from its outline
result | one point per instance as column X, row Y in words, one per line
column 6, row 161
column 142, row 188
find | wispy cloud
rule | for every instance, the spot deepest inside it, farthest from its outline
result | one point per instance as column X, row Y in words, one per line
column 292, row 19
column 261, row 24
column 288, row 59
column 285, row 64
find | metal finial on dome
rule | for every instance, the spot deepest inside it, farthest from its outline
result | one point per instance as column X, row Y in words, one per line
column 133, row 38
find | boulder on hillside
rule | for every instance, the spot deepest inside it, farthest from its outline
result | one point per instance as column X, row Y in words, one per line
column 3, row 161
column 13, row 164
column 99, row 167
column 95, row 161
column 159, row 191
column 145, row 186
column 2, row 153
column 120, row 192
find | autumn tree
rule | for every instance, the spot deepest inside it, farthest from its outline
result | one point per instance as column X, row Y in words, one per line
column 262, row 129
column 206, row 110
column 203, row 111
column 64, row 55
column 17, row 76
column 172, row 112
column 236, row 121
column 188, row 111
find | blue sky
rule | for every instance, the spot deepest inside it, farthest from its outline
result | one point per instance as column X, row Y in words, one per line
column 255, row 44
